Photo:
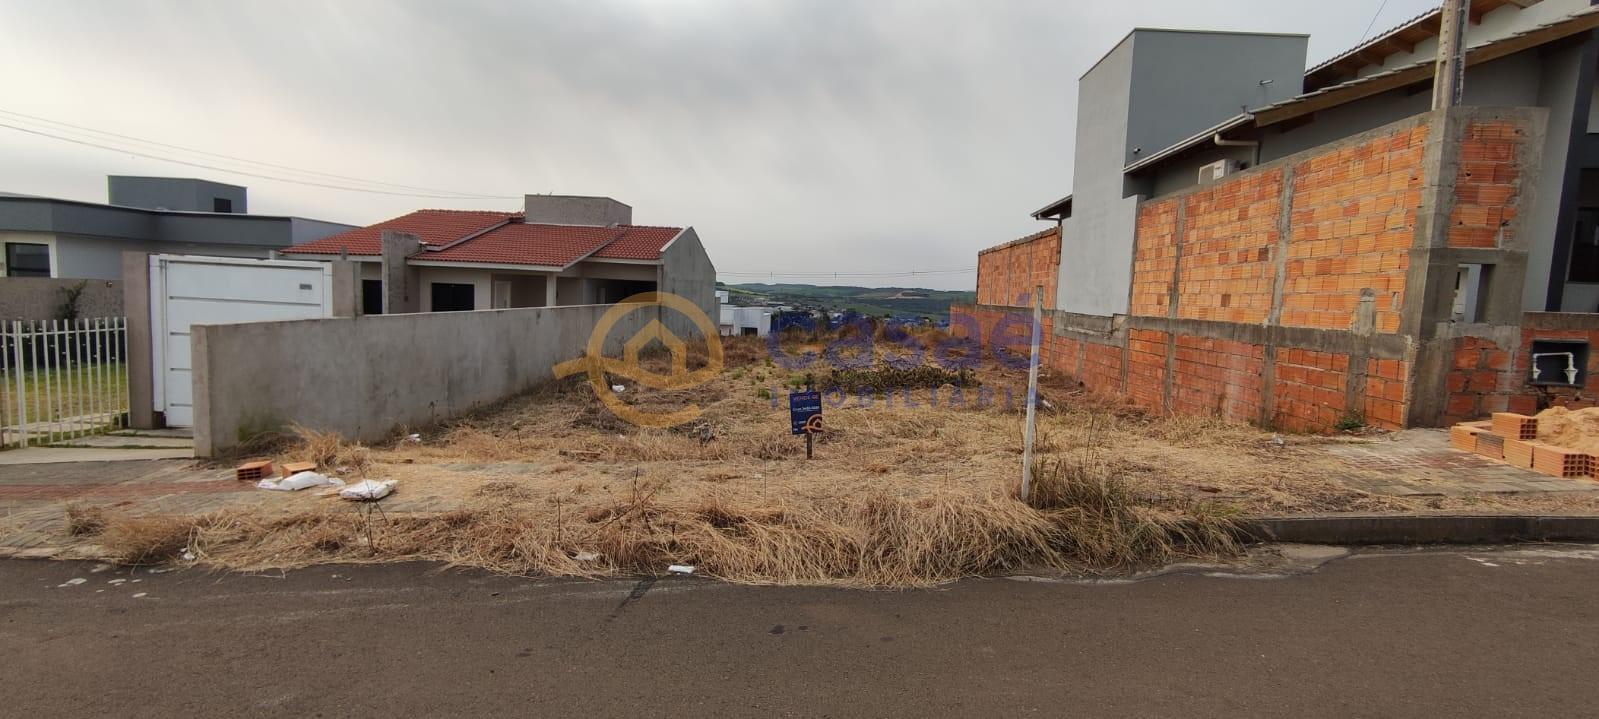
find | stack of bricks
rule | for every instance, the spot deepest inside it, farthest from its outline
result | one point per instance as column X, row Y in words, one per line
column 1513, row 439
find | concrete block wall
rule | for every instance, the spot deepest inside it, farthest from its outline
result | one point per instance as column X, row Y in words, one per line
column 42, row 298
column 363, row 377
column 1008, row 273
column 1313, row 290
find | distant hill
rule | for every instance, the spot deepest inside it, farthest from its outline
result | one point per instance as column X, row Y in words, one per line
column 873, row 301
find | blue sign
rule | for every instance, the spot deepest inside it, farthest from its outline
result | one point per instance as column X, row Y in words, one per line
column 802, row 406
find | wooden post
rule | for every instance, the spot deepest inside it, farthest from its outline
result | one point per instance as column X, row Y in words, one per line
column 1032, row 393
column 1449, row 73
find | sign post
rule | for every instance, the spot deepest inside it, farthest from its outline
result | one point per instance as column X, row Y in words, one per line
column 1032, row 394
column 805, row 416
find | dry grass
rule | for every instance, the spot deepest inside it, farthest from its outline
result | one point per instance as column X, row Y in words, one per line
column 147, row 540
column 900, row 493
column 85, row 520
column 873, row 539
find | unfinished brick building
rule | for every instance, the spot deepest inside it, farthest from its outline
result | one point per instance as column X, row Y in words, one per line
column 1339, row 254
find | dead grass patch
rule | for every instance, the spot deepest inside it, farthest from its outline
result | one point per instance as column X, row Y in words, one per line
column 84, row 520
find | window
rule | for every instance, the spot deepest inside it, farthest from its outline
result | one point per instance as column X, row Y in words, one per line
column 27, row 259
column 450, row 297
column 221, row 204
column 1584, row 266
column 371, row 297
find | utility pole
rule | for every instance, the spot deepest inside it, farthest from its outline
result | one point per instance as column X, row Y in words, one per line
column 1449, row 74
column 1032, row 394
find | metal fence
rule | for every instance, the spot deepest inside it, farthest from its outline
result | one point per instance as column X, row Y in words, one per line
column 61, row 379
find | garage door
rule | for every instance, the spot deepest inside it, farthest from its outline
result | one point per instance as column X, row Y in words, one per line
column 187, row 291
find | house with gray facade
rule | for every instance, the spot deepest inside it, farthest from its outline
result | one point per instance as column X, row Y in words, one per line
column 71, row 239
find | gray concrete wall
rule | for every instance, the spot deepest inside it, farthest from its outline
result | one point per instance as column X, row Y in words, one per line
column 687, row 271
column 141, row 342
column 41, row 298
column 1184, row 82
column 173, row 193
column 365, row 376
column 576, row 210
column 1096, row 241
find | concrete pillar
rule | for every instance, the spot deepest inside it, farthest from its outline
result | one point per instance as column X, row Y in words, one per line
column 346, row 288
column 402, row 291
column 549, row 289
column 141, row 342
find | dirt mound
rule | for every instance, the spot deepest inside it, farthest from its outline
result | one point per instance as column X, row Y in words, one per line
column 1572, row 429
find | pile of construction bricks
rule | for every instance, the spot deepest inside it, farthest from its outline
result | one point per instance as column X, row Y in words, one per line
column 1513, row 439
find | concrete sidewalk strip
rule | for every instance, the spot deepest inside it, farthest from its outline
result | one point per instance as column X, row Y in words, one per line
column 1424, row 529
column 65, row 455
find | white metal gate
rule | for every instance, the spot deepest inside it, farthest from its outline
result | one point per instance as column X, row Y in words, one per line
column 187, row 291
column 61, row 379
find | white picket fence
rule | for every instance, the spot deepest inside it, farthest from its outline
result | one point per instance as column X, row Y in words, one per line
column 61, row 379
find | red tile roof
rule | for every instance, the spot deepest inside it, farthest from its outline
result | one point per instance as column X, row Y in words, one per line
column 640, row 243
column 433, row 227
column 511, row 244
column 519, row 244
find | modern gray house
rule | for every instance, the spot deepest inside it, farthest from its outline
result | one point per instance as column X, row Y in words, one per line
column 1167, row 110
column 70, row 239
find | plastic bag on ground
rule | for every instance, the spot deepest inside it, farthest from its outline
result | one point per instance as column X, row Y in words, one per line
column 302, row 480
column 368, row 490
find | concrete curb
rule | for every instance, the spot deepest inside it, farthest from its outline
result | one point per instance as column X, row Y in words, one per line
column 1422, row 529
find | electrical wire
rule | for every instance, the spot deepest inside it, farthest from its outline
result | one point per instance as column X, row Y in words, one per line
column 422, row 192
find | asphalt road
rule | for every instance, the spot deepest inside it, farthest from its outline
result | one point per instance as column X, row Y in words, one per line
column 1467, row 633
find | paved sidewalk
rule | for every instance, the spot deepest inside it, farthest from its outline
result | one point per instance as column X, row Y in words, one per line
column 1420, row 463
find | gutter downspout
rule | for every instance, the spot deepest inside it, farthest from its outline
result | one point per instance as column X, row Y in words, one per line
column 1255, row 156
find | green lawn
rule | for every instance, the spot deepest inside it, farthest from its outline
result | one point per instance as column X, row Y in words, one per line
column 68, row 392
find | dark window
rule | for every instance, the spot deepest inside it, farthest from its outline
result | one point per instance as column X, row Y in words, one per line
column 448, row 297
column 221, row 204
column 26, row 259
column 1584, row 265
column 371, row 297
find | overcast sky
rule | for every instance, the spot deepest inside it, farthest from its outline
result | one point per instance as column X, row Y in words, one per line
column 795, row 135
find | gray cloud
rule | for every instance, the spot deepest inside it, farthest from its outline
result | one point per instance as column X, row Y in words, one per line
column 796, row 135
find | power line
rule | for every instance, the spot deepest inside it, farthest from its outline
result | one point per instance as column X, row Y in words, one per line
column 108, row 133
column 1373, row 22
column 431, row 194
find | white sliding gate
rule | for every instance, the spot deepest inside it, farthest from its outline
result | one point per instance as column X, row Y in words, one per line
column 61, row 379
column 191, row 290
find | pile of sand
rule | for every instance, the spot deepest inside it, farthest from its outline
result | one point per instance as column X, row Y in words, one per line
column 1572, row 429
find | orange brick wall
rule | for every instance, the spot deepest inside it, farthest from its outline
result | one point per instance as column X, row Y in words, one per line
column 1485, row 378
column 1487, row 184
column 1007, row 274
column 1146, row 368
column 1218, row 377
column 1385, row 400
column 1309, row 391
column 1229, row 235
column 1102, row 368
column 1154, row 257
column 1353, row 222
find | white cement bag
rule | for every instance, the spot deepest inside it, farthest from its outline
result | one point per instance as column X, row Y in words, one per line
column 302, row 480
column 367, row 490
